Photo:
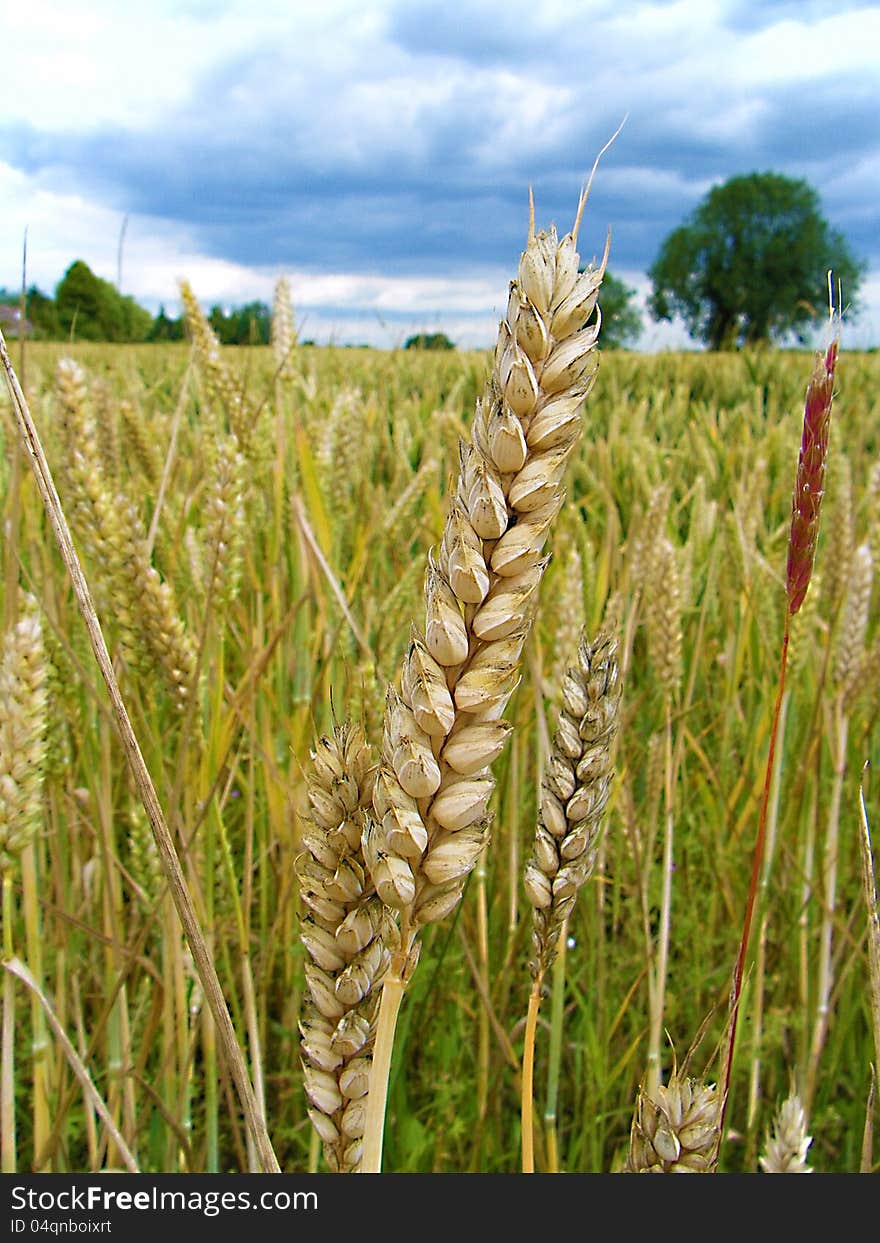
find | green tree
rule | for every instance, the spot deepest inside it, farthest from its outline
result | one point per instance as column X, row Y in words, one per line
column 621, row 321
column 164, row 328
column 42, row 313
column 429, row 341
column 94, row 310
column 749, row 264
column 242, row 325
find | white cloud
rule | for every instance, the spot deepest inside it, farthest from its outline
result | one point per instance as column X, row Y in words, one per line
column 355, row 100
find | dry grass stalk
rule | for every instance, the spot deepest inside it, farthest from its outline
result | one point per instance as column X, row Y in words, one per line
column 872, row 914
column 445, row 727
column 803, row 535
column 347, row 934
column 675, row 1129
column 785, row 1151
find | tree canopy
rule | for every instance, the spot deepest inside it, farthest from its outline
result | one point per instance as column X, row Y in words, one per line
column 621, row 320
column 245, row 325
column 429, row 341
column 750, row 264
column 92, row 309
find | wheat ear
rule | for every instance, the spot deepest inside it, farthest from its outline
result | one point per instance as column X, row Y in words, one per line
column 180, row 894
column 786, row 1149
column 675, row 1128
column 23, row 746
column 444, row 728
column 573, row 800
column 346, row 932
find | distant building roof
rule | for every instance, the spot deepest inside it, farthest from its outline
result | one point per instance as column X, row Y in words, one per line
column 10, row 319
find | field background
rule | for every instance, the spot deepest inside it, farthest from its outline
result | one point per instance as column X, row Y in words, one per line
column 347, row 458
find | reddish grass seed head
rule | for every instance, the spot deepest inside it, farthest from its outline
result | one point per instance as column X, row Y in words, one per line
column 810, row 479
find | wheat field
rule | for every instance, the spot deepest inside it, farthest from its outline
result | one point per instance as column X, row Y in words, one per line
column 255, row 526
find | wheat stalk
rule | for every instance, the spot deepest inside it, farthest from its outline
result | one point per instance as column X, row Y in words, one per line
column 573, row 800
column 23, row 747
column 445, row 727
column 181, row 896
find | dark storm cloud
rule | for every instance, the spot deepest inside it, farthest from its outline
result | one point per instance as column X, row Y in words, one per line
column 417, row 158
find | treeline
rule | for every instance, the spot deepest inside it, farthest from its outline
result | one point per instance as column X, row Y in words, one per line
column 87, row 308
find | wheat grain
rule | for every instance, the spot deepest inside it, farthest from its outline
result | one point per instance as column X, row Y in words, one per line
column 839, row 533
column 663, row 609
column 225, row 519
column 785, row 1151
column 23, row 733
column 283, row 332
column 574, row 795
column 480, row 589
column 347, row 935
column 849, row 648
column 223, row 392
column 140, row 445
column 675, row 1130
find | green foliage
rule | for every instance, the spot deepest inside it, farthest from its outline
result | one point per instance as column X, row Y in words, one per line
column 749, row 264
column 429, row 341
column 621, row 321
column 92, row 309
column 244, row 325
column 42, row 313
column 166, row 329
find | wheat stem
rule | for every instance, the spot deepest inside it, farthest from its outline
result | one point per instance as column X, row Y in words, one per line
column 872, row 911
column 14, row 967
column 828, row 874
column 8, row 1155
column 528, row 1078
column 383, row 1048
column 554, row 1052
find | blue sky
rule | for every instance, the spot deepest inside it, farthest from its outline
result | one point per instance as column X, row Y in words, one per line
column 379, row 154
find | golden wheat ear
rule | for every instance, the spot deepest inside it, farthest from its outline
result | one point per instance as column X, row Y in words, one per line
column 675, row 1128
column 786, row 1149
column 348, row 936
column 445, row 727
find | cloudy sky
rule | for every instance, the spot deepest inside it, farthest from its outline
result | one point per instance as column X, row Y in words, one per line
column 379, row 153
